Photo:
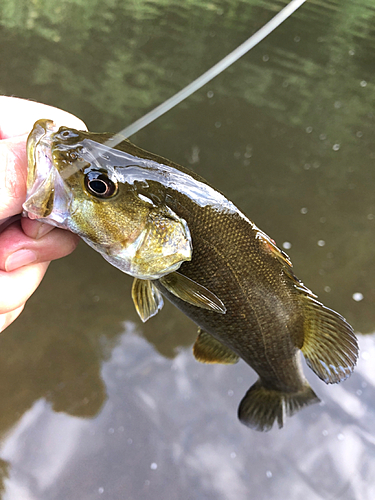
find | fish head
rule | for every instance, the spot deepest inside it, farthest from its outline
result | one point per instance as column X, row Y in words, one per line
column 71, row 185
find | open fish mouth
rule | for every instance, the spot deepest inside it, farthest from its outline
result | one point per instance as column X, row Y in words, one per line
column 46, row 199
column 39, row 154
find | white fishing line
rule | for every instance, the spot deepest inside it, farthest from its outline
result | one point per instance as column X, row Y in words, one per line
column 208, row 75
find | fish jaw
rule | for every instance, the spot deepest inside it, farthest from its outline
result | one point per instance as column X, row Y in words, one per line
column 47, row 199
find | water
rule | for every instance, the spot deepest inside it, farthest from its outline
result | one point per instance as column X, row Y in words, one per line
column 96, row 404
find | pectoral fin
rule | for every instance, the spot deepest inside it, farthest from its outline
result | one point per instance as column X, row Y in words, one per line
column 192, row 292
column 147, row 299
column 329, row 346
column 209, row 350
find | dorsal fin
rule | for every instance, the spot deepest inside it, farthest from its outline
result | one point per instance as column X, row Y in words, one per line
column 329, row 345
column 209, row 350
column 273, row 248
column 284, row 260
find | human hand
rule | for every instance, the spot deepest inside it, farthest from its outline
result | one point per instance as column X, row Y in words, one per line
column 26, row 246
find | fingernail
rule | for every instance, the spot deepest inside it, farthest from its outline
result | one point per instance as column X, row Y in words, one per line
column 19, row 259
column 36, row 229
column 43, row 230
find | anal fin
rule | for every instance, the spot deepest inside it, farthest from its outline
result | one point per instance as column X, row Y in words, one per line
column 209, row 350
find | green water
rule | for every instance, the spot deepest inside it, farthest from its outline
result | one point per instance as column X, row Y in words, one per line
column 94, row 403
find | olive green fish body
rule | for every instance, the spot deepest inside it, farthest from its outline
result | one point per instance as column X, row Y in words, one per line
column 181, row 238
column 233, row 260
column 270, row 315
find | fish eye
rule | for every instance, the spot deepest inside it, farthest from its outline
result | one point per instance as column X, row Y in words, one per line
column 100, row 185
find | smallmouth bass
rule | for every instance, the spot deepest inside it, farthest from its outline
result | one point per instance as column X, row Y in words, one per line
column 182, row 239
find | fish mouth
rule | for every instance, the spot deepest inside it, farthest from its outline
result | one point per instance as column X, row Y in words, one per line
column 38, row 150
column 46, row 198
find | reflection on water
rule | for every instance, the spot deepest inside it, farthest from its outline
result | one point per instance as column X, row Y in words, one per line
column 192, row 440
column 96, row 404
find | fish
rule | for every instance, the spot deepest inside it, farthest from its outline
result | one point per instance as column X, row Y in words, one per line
column 182, row 239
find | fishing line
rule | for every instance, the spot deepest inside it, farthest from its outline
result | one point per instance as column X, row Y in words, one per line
column 208, row 75
column 183, row 94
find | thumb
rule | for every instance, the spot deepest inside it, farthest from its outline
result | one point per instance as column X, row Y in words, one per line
column 13, row 175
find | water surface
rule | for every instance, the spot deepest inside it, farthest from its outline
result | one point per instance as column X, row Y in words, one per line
column 94, row 403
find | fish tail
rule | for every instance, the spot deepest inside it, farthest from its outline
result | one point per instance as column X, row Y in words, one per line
column 262, row 407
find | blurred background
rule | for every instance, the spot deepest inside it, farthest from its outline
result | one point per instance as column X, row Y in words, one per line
column 97, row 405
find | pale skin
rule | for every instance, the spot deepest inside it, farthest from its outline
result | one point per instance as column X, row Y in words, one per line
column 27, row 246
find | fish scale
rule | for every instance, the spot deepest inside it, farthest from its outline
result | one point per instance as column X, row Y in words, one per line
column 240, row 315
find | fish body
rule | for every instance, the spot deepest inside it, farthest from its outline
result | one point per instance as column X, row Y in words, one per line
column 182, row 239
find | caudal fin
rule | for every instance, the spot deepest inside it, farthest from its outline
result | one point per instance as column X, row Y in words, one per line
column 261, row 407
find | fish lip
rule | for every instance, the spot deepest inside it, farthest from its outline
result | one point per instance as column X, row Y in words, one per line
column 39, row 136
column 39, row 141
column 40, row 165
column 43, row 178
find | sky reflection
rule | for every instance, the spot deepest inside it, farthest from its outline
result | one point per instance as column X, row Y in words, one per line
column 175, row 421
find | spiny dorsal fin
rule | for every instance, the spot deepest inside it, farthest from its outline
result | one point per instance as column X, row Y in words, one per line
column 273, row 248
column 330, row 346
column 209, row 350
column 284, row 260
column 147, row 299
column 192, row 292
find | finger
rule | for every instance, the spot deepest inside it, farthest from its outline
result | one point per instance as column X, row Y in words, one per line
column 18, row 250
column 19, row 115
column 17, row 119
column 13, row 175
column 34, row 228
column 7, row 318
column 17, row 286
